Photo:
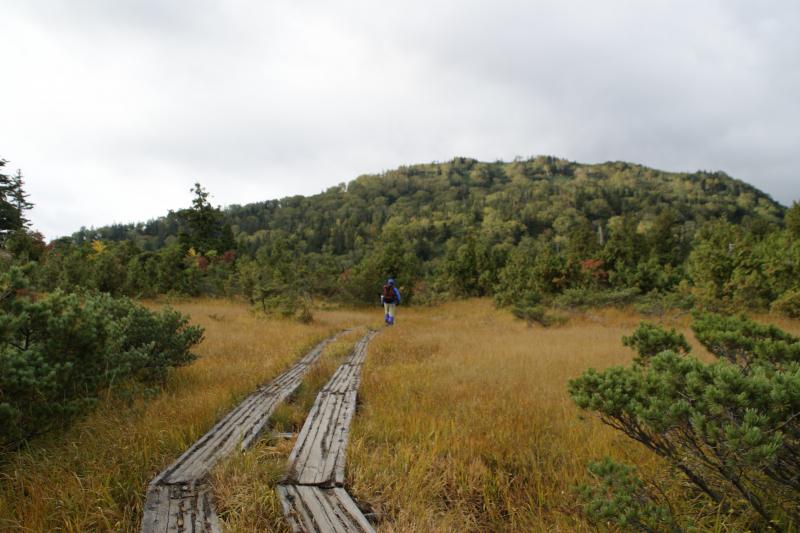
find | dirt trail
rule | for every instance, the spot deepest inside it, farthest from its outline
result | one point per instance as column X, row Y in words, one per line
column 312, row 495
column 179, row 499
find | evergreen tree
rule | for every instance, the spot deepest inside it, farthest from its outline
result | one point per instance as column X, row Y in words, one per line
column 665, row 240
column 203, row 227
column 713, row 261
column 793, row 220
column 582, row 240
column 9, row 214
column 19, row 199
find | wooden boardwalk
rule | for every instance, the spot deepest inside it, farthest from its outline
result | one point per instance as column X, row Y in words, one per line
column 179, row 498
column 311, row 508
column 312, row 495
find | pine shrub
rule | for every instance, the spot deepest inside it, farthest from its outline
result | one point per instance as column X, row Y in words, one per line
column 649, row 340
column 730, row 429
column 788, row 304
column 580, row 298
column 57, row 353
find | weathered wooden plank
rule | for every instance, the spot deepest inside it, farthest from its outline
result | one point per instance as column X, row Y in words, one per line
column 260, row 422
column 325, row 445
column 317, row 450
column 178, row 499
column 337, row 440
column 296, row 513
column 302, row 448
column 312, row 454
column 156, row 513
column 186, row 468
column 311, row 496
column 175, row 519
column 210, row 519
column 344, row 437
column 180, row 508
column 348, row 506
column 219, row 441
column 223, row 437
column 322, row 442
column 320, row 510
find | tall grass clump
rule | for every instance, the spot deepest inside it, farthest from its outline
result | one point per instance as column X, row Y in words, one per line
column 466, row 424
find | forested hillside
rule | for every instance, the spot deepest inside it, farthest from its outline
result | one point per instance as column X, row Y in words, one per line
column 525, row 232
column 504, row 201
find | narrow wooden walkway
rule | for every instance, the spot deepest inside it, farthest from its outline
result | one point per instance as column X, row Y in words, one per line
column 310, row 508
column 179, row 498
column 312, row 495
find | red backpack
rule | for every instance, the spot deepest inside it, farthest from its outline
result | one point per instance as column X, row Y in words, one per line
column 388, row 294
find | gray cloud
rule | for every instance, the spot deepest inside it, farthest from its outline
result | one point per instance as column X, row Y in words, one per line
column 114, row 109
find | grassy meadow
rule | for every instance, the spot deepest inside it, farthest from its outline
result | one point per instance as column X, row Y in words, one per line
column 93, row 477
column 465, row 423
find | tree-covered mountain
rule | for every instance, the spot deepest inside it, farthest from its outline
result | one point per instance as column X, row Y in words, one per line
column 502, row 201
column 542, row 230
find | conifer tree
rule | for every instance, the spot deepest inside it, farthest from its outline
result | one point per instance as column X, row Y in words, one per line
column 203, row 226
column 5, row 205
column 793, row 220
column 19, row 199
column 10, row 219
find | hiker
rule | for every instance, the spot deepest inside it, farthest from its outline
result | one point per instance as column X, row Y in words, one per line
column 390, row 300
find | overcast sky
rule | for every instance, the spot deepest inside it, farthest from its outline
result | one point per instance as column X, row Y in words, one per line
column 113, row 109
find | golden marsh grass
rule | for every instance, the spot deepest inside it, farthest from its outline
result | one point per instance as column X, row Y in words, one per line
column 465, row 423
column 93, row 477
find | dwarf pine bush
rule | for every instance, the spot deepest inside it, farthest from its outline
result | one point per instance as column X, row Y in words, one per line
column 59, row 351
column 649, row 340
column 620, row 496
column 788, row 304
column 730, row 428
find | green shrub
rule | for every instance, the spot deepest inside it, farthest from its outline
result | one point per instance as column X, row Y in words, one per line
column 536, row 313
column 58, row 352
column 658, row 303
column 788, row 304
column 529, row 309
column 745, row 343
column 532, row 269
column 730, row 428
column 582, row 298
column 620, row 496
column 649, row 340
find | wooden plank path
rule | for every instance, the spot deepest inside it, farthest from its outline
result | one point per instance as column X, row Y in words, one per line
column 312, row 495
column 179, row 499
column 310, row 508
